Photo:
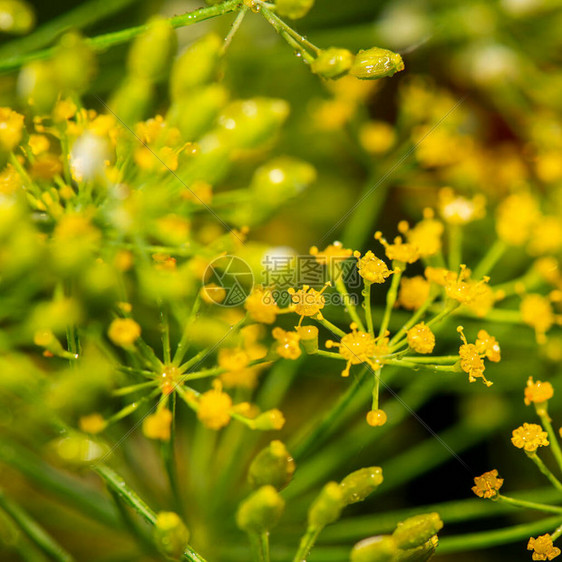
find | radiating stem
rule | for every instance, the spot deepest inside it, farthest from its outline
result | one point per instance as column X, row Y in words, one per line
column 327, row 324
column 554, row 445
column 455, row 246
column 368, row 309
column 391, row 296
column 545, row 470
column 306, row 544
column 530, row 505
column 350, row 307
column 494, row 253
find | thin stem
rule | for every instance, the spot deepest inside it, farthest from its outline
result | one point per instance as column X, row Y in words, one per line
column 306, row 544
column 555, row 446
column 452, row 305
column 165, row 328
column 376, row 386
column 440, row 360
column 391, row 296
column 530, row 505
column 133, row 388
column 545, row 470
column 234, row 28
column 342, row 290
column 411, row 322
column 169, row 457
column 368, row 309
column 556, row 533
column 455, row 246
column 332, row 327
column 33, row 530
column 264, row 546
column 492, row 256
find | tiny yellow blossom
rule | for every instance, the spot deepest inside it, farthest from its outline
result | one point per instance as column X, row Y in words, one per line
column 214, row 407
column 465, row 290
column 440, row 275
column 536, row 311
column 157, row 425
column 376, row 418
column 38, row 144
column 288, row 343
column 213, row 293
column 269, row 420
column 458, row 210
column 421, row 339
column 488, row 346
column 546, row 237
column 543, row 548
column 261, row 305
column 10, row 180
column 487, row 485
column 413, row 292
column 233, row 359
column 308, row 301
column 471, row 360
column 516, row 217
column 11, row 127
column 529, row 436
column 124, row 332
column 333, row 252
column 405, row 252
column 93, row 423
column 360, row 347
column 377, row 137
column 425, row 235
column 371, row 268
column 537, row 392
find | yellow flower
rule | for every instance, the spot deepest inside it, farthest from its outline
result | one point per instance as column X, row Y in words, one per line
column 413, row 292
column 371, row 268
column 487, row 485
column 288, row 343
column 307, row 301
column 426, row 235
column 459, row 210
column 376, row 418
column 488, row 345
column 377, row 137
column 471, row 359
column 214, row 407
column 11, row 127
column 333, row 252
column 360, row 347
column 93, row 423
column 261, row 305
column 529, row 436
column 543, row 548
column 10, row 180
column 38, row 144
column 547, row 236
column 233, row 359
column 538, row 392
column 440, row 275
column 536, row 311
column 157, row 425
column 516, row 218
column 399, row 250
column 421, row 339
column 124, row 332
column 465, row 290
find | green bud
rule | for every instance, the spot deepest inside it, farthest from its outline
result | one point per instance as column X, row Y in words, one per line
column 170, row 534
column 152, row 51
column 37, row 86
column 359, row 484
column 421, row 553
column 77, row 450
column 16, row 16
column 272, row 465
column 131, row 100
column 74, row 63
column 376, row 63
column 327, row 507
column 197, row 110
column 260, row 511
column 417, row 530
column 374, row 549
column 294, row 9
column 196, row 66
column 281, row 179
column 309, row 338
column 332, row 63
column 269, row 420
column 251, row 123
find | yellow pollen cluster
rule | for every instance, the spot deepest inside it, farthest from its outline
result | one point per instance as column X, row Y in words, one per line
column 421, row 339
column 376, row 418
column 537, row 392
column 11, row 127
column 93, row 423
column 157, row 425
column 471, row 356
column 399, row 251
column 124, row 332
column 529, row 436
column 288, row 343
column 333, row 252
column 516, row 217
column 464, row 290
column 413, row 292
column 487, row 485
column 425, row 235
column 307, row 301
column 261, row 306
column 543, row 548
column 360, row 347
column 488, row 346
column 371, row 268
column 536, row 311
column 214, row 407
column 458, row 210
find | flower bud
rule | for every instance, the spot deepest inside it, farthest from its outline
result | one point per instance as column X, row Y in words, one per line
column 273, row 465
column 260, row 511
column 16, row 17
column 251, row 123
column 151, row 53
column 294, row 9
column 269, row 420
column 196, row 66
column 131, row 99
column 421, row 553
column 374, row 549
column 332, row 63
column 308, row 338
column 376, row 63
column 37, row 86
column 359, row 484
column 204, row 105
column 417, row 530
column 327, row 507
column 74, row 63
column 170, row 534
column 77, row 450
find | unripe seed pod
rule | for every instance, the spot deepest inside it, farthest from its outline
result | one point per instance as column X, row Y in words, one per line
column 376, row 63
column 273, row 465
column 37, row 86
column 170, row 534
column 421, row 553
column 309, row 338
column 152, row 51
column 260, row 511
column 374, row 549
column 359, row 484
column 77, row 450
column 269, row 420
column 294, row 9
column 332, row 63
column 131, row 100
column 327, row 507
column 74, row 63
column 16, row 17
column 196, row 66
column 417, row 530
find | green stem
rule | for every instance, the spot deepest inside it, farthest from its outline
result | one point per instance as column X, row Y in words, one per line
column 332, row 327
column 264, row 545
column 391, row 296
column 545, row 470
column 368, row 309
column 103, row 42
column 376, row 387
column 556, row 533
column 452, row 305
column 455, row 246
column 306, row 544
column 492, row 256
column 34, row 531
column 342, row 290
column 169, row 458
column 234, row 28
column 554, row 445
column 165, row 328
column 441, row 360
column 411, row 322
column 530, row 505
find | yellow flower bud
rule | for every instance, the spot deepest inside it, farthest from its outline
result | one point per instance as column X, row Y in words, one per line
column 124, row 332
column 294, row 9
column 270, row 420
column 332, row 63
column 260, row 511
column 359, row 484
column 374, row 549
column 376, row 63
column 327, row 507
column 131, row 99
column 170, row 534
column 415, row 531
column 78, row 450
column 37, row 86
column 11, row 127
column 273, row 465
column 308, row 338
column 74, row 63
column 16, row 17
